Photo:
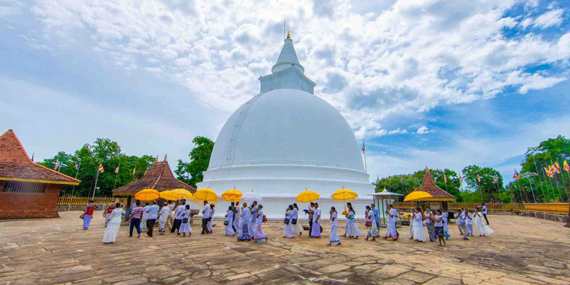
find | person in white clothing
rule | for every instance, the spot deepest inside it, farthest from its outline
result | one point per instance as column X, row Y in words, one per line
column 482, row 228
column 152, row 216
column 228, row 222
column 178, row 217
column 391, row 231
column 244, row 235
column 212, row 212
column 317, row 229
column 113, row 224
column 297, row 229
column 144, row 227
column 334, row 224
column 418, row 231
column 287, row 221
column 439, row 231
column 163, row 216
column 185, row 227
column 205, row 217
column 469, row 222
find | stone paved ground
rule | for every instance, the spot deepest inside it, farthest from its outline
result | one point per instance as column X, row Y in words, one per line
column 48, row 251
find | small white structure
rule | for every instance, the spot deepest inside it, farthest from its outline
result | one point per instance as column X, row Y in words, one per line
column 381, row 201
column 285, row 140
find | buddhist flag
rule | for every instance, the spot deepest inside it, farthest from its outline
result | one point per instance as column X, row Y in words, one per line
column 77, row 166
column 101, row 169
column 496, row 179
column 460, row 178
column 548, row 172
column 565, row 166
column 56, row 164
column 117, row 170
column 444, row 178
column 478, row 178
column 556, row 167
column 377, row 180
column 516, row 175
column 363, row 148
column 33, row 157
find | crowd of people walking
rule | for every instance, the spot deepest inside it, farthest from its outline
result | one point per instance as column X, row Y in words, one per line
column 246, row 222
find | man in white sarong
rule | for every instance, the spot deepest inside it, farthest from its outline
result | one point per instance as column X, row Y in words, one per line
column 163, row 218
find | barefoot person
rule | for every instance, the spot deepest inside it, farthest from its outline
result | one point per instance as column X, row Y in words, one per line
column 439, row 227
column 228, row 222
column 297, row 229
column 212, row 212
column 88, row 214
column 352, row 230
column 152, row 216
column 259, row 236
column 163, row 217
column 113, row 224
column 371, row 225
column 391, row 231
column 245, row 218
column 316, row 232
column 461, row 223
column 429, row 218
column 205, row 217
column 482, row 228
column 334, row 225
column 185, row 227
column 135, row 218
column 253, row 218
column 178, row 217
column 484, row 212
column 419, row 233
column 287, row 221
column 469, row 222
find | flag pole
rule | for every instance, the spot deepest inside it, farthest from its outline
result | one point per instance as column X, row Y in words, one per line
column 364, row 151
column 563, row 182
column 73, row 189
column 556, row 180
column 480, row 190
column 532, row 190
column 95, row 187
column 538, row 172
column 519, row 183
column 116, row 176
column 550, row 180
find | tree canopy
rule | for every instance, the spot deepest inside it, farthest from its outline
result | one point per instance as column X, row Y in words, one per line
column 191, row 172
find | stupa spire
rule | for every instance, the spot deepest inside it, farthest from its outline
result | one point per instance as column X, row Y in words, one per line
column 287, row 57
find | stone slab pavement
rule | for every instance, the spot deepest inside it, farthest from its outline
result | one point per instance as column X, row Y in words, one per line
column 523, row 250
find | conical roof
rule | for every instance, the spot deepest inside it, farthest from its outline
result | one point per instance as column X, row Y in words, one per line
column 15, row 164
column 430, row 187
column 158, row 177
column 287, row 57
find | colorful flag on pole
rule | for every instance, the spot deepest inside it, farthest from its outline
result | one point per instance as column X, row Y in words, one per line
column 565, row 166
column 556, row 167
column 101, row 169
column 460, row 178
column 516, row 175
column 56, row 164
column 478, row 178
column 134, row 170
column 444, row 178
column 117, row 170
column 496, row 179
column 33, row 157
column 548, row 172
column 363, row 148
column 377, row 180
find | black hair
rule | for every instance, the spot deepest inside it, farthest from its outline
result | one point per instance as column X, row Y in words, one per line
column 91, row 201
column 138, row 203
column 118, row 205
column 439, row 211
column 351, row 208
column 368, row 207
column 295, row 206
column 334, row 209
column 290, row 207
column 187, row 206
column 230, row 208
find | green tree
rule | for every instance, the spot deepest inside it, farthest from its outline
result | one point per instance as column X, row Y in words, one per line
column 191, row 172
column 487, row 184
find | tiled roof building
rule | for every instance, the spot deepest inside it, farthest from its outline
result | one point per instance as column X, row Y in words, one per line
column 429, row 186
column 27, row 189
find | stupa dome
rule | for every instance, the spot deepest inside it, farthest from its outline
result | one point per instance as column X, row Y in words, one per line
column 286, row 139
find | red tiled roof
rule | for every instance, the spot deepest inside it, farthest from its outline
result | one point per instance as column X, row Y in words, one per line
column 429, row 186
column 159, row 177
column 15, row 164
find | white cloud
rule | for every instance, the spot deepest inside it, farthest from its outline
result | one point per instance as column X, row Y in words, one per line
column 405, row 58
column 549, row 19
column 422, row 130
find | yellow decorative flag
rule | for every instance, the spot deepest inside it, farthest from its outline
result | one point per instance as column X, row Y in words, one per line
column 478, row 178
column 101, row 169
column 556, row 167
column 565, row 166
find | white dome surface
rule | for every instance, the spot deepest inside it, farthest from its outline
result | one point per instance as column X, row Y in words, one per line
column 283, row 141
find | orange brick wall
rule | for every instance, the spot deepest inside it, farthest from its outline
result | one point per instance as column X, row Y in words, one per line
column 29, row 205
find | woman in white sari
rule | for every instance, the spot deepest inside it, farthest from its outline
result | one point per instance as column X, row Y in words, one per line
column 418, row 230
column 352, row 229
column 482, row 228
column 113, row 224
column 297, row 229
column 229, row 222
column 288, row 225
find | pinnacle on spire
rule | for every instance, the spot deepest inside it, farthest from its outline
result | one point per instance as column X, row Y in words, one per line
column 288, row 35
column 165, row 157
column 287, row 57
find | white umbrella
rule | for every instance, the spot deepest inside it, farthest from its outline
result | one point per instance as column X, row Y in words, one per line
column 249, row 197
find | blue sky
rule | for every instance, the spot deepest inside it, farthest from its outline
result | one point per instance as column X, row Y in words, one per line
column 425, row 83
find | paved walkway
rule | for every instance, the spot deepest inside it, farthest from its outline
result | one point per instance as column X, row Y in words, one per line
column 57, row 251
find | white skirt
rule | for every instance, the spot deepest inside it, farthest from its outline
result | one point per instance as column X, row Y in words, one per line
column 289, row 231
column 334, row 235
column 483, row 229
column 352, row 229
column 185, row 228
column 419, row 233
column 111, row 232
column 230, row 230
column 297, row 228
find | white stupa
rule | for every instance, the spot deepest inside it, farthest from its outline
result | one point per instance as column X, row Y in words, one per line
column 285, row 140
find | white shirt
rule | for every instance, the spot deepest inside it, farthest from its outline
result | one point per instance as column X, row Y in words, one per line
column 469, row 221
column 259, row 219
column 317, row 216
column 485, row 210
column 438, row 221
column 245, row 216
column 335, row 222
column 145, row 213
column 394, row 213
column 164, row 213
column 206, row 212
column 295, row 214
column 115, row 217
column 253, row 213
column 153, row 212
column 179, row 211
column 428, row 217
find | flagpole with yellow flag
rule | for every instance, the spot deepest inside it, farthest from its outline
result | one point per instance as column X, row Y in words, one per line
column 364, row 152
column 100, row 169
column 557, row 166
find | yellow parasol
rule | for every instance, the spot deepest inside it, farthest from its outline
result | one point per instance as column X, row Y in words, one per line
column 167, row 195
column 344, row 194
column 181, row 193
column 147, row 195
column 307, row 196
column 205, row 194
column 232, row 195
column 417, row 195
